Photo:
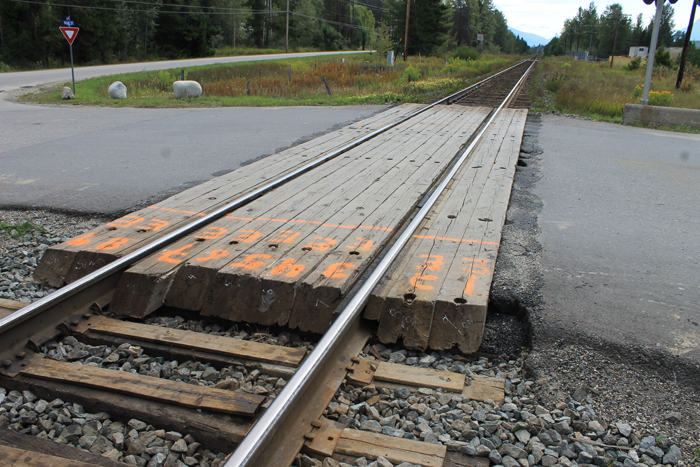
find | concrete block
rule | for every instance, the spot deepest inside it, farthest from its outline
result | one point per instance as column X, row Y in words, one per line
column 655, row 116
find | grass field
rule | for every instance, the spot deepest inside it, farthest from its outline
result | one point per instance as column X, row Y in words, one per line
column 564, row 85
column 353, row 79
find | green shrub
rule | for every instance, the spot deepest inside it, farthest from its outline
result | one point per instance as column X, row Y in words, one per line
column 411, row 74
column 465, row 53
column 635, row 64
column 662, row 58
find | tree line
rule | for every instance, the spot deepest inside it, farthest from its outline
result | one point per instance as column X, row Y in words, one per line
column 126, row 30
column 612, row 32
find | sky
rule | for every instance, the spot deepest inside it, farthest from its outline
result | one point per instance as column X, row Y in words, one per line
column 546, row 17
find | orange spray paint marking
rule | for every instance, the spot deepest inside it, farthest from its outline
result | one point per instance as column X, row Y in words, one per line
column 418, row 280
column 171, row 256
column 289, row 266
column 113, row 244
column 155, row 224
column 478, row 267
column 211, row 233
column 364, row 244
column 432, row 264
column 337, row 270
column 81, row 240
column 247, row 236
column 286, row 236
column 123, row 222
column 213, row 255
column 321, row 246
column 250, row 263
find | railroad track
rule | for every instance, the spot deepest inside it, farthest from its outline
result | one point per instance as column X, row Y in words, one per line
column 419, row 214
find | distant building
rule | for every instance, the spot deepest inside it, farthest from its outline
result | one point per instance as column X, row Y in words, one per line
column 674, row 51
column 637, row 51
column 579, row 55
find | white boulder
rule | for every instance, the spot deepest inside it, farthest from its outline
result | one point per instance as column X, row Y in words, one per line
column 187, row 89
column 67, row 93
column 117, row 90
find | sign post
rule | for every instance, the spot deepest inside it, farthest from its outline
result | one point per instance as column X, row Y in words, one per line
column 70, row 32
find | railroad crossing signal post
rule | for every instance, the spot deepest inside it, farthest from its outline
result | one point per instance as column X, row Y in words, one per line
column 652, row 48
column 70, row 32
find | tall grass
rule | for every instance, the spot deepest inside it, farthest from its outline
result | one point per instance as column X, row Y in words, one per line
column 594, row 90
column 352, row 80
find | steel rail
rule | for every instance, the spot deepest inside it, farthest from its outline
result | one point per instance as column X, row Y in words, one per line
column 250, row 451
column 124, row 262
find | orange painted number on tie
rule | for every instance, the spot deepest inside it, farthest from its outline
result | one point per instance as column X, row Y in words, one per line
column 478, row 267
column 81, row 240
column 289, row 266
column 337, row 270
column 250, row 263
column 286, row 236
column 213, row 255
column 113, row 244
column 364, row 244
column 172, row 255
column 125, row 221
column 321, row 246
column 211, row 233
column 155, row 224
column 418, row 280
column 247, row 236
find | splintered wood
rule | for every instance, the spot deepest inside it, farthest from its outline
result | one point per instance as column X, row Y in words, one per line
column 289, row 257
column 437, row 294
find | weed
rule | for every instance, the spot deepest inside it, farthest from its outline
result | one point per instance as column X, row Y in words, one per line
column 635, row 64
column 18, row 230
column 411, row 74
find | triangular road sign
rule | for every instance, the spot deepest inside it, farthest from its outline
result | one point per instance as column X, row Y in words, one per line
column 69, row 33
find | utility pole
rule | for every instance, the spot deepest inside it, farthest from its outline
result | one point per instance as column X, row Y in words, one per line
column 405, row 41
column 684, row 57
column 286, row 33
column 652, row 50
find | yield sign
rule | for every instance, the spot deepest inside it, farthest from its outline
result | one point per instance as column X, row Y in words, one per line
column 69, row 33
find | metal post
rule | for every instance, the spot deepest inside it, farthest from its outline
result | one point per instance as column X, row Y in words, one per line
column 286, row 38
column 405, row 42
column 612, row 57
column 652, row 50
column 684, row 57
column 72, row 71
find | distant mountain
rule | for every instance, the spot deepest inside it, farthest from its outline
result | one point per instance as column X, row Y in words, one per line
column 531, row 39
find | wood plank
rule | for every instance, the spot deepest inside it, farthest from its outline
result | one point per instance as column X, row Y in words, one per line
column 420, row 377
column 190, row 340
column 217, row 431
column 406, row 301
column 79, row 256
column 358, row 443
column 460, row 311
column 143, row 286
column 11, row 457
column 483, row 388
column 437, row 296
column 457, row 459
column 28, row 443
column 7, row 307
column 172, row 392
column 245, row 294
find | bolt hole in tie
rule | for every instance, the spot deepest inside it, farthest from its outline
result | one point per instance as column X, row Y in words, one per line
column 452, row 216
column 354, row 253
column 460, row 301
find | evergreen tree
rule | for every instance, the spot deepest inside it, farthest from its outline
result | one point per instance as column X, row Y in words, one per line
column 428, row 25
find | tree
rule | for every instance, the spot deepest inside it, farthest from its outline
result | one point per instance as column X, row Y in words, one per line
column 305, row 25
column 464, row 20
column 365, row 20
column 428, row 25
column 666, row 27
column 554, row 48
column 615, row 30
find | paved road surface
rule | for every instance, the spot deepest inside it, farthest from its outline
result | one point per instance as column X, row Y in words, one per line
column 92, row 159
column 620, row 229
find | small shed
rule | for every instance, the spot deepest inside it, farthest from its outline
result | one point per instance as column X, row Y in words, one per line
column 638, row 51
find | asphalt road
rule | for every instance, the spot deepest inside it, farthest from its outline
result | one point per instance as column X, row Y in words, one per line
column 620, row 230
column 91, row 159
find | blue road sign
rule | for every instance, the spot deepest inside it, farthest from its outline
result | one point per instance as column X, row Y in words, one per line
column 68, row 22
